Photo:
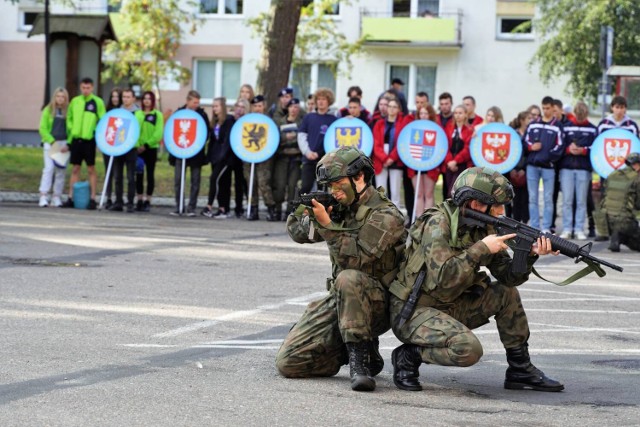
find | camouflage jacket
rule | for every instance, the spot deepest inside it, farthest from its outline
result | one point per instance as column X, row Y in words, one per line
column 371, row 237
column 453, row 265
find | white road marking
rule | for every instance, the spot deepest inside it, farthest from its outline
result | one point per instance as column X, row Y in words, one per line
column 24, row 314
column 237, row 315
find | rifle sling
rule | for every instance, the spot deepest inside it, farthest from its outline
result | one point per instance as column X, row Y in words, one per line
column 591, row 266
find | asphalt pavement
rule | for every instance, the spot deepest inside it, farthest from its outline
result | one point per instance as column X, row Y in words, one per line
column 145, row 319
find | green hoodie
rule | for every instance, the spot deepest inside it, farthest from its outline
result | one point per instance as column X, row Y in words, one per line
column 151, row 127
column 83, row 116
column 46, row 126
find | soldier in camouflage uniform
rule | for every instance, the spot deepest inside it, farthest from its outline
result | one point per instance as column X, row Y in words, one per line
column 456, row 296
column 365, row 235
column 620, row 203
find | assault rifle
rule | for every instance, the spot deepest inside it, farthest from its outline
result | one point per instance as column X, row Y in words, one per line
column 324, row 198
column 526, row 236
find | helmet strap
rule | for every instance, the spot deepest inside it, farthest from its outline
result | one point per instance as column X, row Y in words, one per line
column 357, row 194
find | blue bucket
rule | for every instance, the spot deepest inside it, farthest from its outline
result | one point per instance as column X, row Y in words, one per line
column 81, row 195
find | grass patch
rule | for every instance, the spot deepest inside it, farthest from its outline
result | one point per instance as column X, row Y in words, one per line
column 21, row 169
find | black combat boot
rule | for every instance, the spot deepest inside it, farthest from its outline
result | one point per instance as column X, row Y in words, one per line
column 361, row 379
column 376, row 362
column 406, row 361
column 614, row 244
column 271, row 214
column 522, row 375
column 254, row 214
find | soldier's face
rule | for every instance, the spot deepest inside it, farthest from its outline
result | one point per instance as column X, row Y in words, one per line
column 342, row 191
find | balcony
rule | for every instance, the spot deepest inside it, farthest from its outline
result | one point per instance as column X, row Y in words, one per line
column 382, row 29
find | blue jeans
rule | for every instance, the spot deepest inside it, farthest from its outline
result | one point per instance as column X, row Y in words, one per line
column 534, row 174
column 574, row 181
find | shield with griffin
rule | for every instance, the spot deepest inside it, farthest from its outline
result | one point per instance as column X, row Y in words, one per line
column 254, row 136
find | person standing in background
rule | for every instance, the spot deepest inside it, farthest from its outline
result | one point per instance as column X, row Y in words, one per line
column 85, row 110
column 218, row 155
column 53, row 130
column 311, row 136
column 115, row 101
column 128, row 159
column 151, row 128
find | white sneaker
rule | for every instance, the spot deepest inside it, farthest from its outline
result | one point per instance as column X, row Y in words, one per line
column 580, row 235
column 56, row 202
column 43, row 203
column 565, row 235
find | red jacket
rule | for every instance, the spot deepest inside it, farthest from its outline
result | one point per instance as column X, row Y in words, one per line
column 464, row 155
column 379, row 157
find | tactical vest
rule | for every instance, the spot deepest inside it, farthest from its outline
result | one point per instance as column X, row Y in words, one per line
column 386, row 268
column 619, row 200
column 414, row 256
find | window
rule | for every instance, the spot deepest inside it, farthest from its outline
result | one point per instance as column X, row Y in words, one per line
column 417, row 78
column 333, row 9
column 221, row 7
column 307, row 78
column 514, row 28
column 213, row 78
column 27, row 18
column 415, row 8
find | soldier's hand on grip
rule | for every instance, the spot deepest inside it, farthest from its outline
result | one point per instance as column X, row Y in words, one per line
column 497, row 243
column 321, row 213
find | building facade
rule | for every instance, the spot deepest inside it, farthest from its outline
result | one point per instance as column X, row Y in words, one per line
column 459, row 46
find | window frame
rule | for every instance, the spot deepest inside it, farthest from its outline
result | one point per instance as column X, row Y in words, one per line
column 513, row 36
column 411, row 89
column 221, row 11
column 313, row 78
column 22, row 11
column 414, row 11
column 218, row 78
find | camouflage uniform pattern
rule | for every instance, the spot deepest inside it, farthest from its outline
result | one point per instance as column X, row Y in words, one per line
column 261, row 181
column 621, row 201
column 365, row 250
column 456, row 296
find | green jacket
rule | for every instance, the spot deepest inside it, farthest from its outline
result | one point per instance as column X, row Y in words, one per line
column 83, row 116
column 369, row 239
column 452, row 267
column 622, row 193
column 46, row 126
column 151, row 128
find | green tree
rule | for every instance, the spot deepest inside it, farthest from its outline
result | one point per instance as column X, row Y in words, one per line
column 571, row 33
column 149, row 35
column 312, row 35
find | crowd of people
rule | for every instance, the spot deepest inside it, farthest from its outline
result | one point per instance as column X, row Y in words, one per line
column 556, row 141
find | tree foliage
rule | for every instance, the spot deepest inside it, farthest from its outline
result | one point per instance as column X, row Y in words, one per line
column 571, row 33
column 317, row 37
column 150, row 34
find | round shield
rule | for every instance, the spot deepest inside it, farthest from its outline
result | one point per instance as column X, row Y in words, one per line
column 185, row 134
column 349, row 132
column 254, row 138
column 117, row 132
column 422, row 145
column 497, row 146
column 611, row 148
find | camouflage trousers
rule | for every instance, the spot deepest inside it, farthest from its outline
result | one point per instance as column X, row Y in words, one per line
column 354, row 310
column 628, row 230
column 444, row 334
column 261, row 181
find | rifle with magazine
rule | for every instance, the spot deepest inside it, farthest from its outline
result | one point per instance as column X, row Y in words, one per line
column 526, row 236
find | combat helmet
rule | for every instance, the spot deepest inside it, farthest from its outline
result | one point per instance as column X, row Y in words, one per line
column 343, row 162
column 482, row 184
column 632, row 158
